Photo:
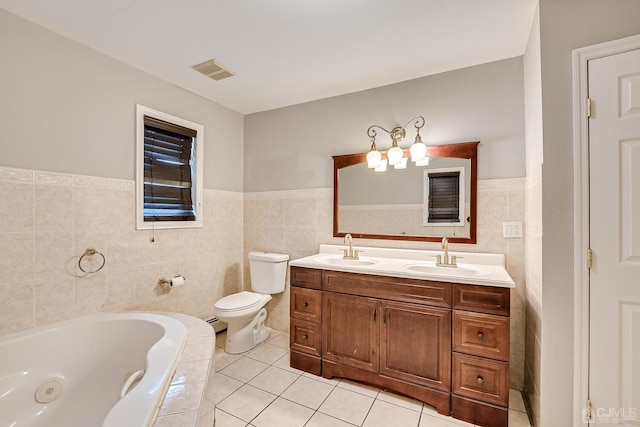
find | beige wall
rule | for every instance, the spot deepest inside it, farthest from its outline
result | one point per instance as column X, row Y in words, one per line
column 50, row 219
column 565, row 25
column 295, row 222
column 69, row 109
column 533, row 218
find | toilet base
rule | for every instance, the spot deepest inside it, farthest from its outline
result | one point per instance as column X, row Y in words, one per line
column 242, row 337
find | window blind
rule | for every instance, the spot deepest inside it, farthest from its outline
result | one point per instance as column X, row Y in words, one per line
column 168, row 174
column 444, row 197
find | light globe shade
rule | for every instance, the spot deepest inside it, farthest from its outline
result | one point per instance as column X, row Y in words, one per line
column 423, row 162
column 382, row 167
column 394, row 155
column 402, row 164
column 373, row 158
column 418, row 151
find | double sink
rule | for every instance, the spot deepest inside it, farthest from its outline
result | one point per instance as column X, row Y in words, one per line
column 477, row 268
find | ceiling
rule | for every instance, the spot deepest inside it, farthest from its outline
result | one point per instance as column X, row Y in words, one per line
column 286, row 52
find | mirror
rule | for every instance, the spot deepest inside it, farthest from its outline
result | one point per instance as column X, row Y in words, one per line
column 394, row 205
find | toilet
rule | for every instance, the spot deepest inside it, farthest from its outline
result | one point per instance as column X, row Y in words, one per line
column 244, row 312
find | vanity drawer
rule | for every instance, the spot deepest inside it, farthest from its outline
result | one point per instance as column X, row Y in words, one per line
column 306, row 337
column 306, row 304
column 306, row 277
column 483, row 335
column 483, row 299
column 480, row 379
column 391, row 288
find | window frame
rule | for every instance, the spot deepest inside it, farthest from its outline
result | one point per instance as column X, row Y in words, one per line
column 196, row 166
column 461, row 197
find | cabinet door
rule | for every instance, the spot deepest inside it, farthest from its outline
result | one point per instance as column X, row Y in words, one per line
column 350, row 330
column 416, row 344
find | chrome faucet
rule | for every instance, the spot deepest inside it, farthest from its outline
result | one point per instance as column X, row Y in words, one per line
column 350, row 253
column 443, row 260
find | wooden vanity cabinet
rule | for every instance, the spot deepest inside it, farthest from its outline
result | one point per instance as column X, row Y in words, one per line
column 480, row 340
column 428, row 340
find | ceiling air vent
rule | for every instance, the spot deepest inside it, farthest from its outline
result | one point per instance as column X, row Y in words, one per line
column 213, row 69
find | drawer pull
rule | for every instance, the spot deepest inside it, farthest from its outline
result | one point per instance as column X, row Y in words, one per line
column 304, row 337
column 305, row 304
column 480, row 336
column 480, row 380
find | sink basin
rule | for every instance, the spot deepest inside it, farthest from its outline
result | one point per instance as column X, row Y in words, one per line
column 446, row 271
column 338, row 260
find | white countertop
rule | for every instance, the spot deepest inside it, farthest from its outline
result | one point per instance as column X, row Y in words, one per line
column 473, row 268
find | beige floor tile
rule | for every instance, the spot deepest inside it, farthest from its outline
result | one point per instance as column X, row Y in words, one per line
column 518, row 419
column 405, row 402
column 359, row 388
column 285, row 363
column 308, row 392
column 332, row 381
column 283, row 413
column 274, row 380
column 347, row 405
column 431, row 412
column 224, row 386
column 246, row 402
column 225, row 420
column 428, row 421
column 322, row 420
column 281, row 340
column 515, row 400
column 221, row 359
column 383, row 414
column 244, row 369
column 267, row 353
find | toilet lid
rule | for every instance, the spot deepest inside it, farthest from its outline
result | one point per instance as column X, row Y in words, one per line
column 239, row 301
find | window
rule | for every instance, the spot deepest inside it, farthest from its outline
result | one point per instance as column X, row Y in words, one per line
column 444, row 198
column 168, row 170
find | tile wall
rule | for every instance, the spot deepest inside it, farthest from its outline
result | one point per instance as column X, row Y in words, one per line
column 295, row 222
column 48, row 220
column 407, row 219
column 533, row 312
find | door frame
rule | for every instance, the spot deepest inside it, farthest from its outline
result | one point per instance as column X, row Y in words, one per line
column 580, row 59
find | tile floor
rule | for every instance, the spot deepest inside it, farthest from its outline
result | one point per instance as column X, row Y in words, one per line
column 260, row 389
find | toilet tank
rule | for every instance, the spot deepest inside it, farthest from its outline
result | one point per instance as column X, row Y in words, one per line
column 268, row 272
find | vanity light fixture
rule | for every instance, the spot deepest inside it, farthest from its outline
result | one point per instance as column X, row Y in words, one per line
column 395, row 155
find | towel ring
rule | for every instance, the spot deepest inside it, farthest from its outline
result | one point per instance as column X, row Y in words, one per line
column 91, row 252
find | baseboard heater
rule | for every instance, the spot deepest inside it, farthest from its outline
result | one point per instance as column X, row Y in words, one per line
column 218, row 325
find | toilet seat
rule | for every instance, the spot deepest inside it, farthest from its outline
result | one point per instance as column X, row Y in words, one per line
column 241, row 301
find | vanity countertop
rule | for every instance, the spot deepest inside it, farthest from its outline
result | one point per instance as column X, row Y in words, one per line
column 473, row 268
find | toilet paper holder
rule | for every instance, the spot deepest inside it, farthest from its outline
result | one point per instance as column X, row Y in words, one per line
column 162, row 282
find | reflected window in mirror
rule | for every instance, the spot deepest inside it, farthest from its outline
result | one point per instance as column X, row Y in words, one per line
column 444, row 197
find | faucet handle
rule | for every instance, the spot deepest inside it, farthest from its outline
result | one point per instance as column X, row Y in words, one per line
column 438, row 259
column 454, row 258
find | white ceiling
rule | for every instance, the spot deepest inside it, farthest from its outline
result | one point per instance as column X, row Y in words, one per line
column 287, row 52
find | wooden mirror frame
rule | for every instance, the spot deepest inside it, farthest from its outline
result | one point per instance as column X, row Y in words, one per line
column 463, row 150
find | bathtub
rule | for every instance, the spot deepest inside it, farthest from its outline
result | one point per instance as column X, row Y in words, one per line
column 109, row 370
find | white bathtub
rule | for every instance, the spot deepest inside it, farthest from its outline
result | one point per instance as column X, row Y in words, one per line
column 86, row 363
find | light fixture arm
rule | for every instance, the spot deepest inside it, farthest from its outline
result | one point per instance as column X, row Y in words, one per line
column 397, row 133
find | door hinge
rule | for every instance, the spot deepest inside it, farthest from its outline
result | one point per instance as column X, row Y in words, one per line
column 588, row 107
column 589, row 258
column 589, row 411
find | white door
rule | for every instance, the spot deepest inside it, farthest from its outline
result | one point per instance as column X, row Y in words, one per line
column 614, row 152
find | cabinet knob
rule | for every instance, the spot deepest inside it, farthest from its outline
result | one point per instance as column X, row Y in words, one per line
column 304, row 337
column 480, row 335
column 480, row 380
column 305, row 304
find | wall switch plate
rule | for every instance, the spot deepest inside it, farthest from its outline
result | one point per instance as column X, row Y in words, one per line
column 512, row 230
